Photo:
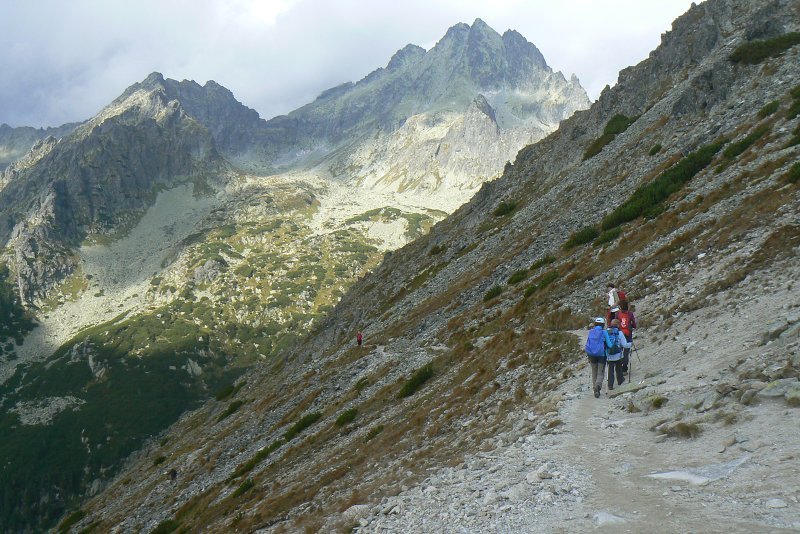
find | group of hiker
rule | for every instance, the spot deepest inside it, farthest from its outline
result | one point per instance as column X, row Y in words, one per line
column 611, row 347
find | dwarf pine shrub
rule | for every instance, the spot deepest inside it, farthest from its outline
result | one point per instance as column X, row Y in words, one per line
column 420, row 376
column 607, row 236
column 304, row 422
column 504, row 208
column 542, row 262
column 493, row 292
column 757, row 51
column 70, row 520
column 581, row 237
column 166, row 526
column 769, row 109
column 793, row 176
column 346, row 417
column 232, row 407
column 373, row 432
column 246, row 486
column 734, row 149
column 615, row 126
column 647, row 199
column 654, row 150
column 518, row 276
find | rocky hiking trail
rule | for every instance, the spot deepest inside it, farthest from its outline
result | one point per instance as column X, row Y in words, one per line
column 597, row 464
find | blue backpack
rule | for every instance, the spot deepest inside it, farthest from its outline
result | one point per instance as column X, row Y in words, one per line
column 613, row 334
column 596, row 343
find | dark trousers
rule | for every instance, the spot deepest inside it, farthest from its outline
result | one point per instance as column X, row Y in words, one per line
column 626, row 354
column 615, row 368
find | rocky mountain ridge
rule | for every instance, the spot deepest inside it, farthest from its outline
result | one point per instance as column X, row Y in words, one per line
column 680, row 181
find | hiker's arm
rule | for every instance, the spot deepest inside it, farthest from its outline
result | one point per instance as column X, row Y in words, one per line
column 624, row 342
column 607, row 339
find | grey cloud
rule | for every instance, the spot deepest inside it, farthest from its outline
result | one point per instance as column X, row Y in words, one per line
column 63, row 61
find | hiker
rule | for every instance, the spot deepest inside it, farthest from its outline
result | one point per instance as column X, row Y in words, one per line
column 615, row 342
column 359, row 338
column 613, row 301
column 627, row 323
column 596, row 351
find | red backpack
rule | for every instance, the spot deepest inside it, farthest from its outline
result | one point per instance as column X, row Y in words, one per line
column 625, row 322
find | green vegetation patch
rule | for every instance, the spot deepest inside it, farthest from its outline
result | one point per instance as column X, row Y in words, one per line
column 518, row 276
column 542, row 262
column 647, row 199
column 757, row 51
column 736, row 148
column 137, row 386
column 257, row 459
column 230, row 410
column 615, row 126
column 793, row 174
column 493, row 292
column 229, row 390
column 768, row 110
column 166, row 526
column 545, row 280
column 437, row 249
column 246, row 486
column 420, row 376
column 304, row 422
column 608, row 236
column 580, row 237
column 504, row 208
column 346, row 417
column 654, row 150
column 373, row 432
column 70, row 520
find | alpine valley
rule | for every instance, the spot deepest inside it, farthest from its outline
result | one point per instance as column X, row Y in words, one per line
column 157, row 251
column 198, row 277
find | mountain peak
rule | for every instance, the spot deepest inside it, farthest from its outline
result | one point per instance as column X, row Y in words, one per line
column 404, row 56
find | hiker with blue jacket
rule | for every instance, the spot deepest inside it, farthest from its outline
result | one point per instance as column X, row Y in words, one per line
column 596, row 351
column 615, row 342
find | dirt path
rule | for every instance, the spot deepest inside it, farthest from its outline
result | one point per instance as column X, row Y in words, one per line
column 619, row 451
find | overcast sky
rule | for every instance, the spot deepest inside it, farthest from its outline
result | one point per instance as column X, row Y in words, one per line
column 63, row 60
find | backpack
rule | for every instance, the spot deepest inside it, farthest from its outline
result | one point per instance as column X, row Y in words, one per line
column 621, row 295
column 595, row 343
column 625, row 323
column 613, row 334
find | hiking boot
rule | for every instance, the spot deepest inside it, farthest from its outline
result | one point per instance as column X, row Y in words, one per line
column 610, row 387
column 621, row 381
column 596, row 392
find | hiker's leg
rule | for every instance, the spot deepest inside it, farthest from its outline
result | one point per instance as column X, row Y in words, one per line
column 620, row 374
column 625, row 358
column 611, row 367
column 601, row 368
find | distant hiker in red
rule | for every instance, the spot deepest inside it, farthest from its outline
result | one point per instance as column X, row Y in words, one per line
column 359, row 338
column 627, row 323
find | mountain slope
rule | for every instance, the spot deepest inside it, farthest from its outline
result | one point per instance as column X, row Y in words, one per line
column 680, row 181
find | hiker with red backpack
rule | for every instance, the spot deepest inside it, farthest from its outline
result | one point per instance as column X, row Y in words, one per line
column 615, row 296
column 616, row 344
column 627, row 323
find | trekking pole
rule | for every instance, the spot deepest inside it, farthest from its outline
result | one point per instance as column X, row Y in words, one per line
column 636, row 351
